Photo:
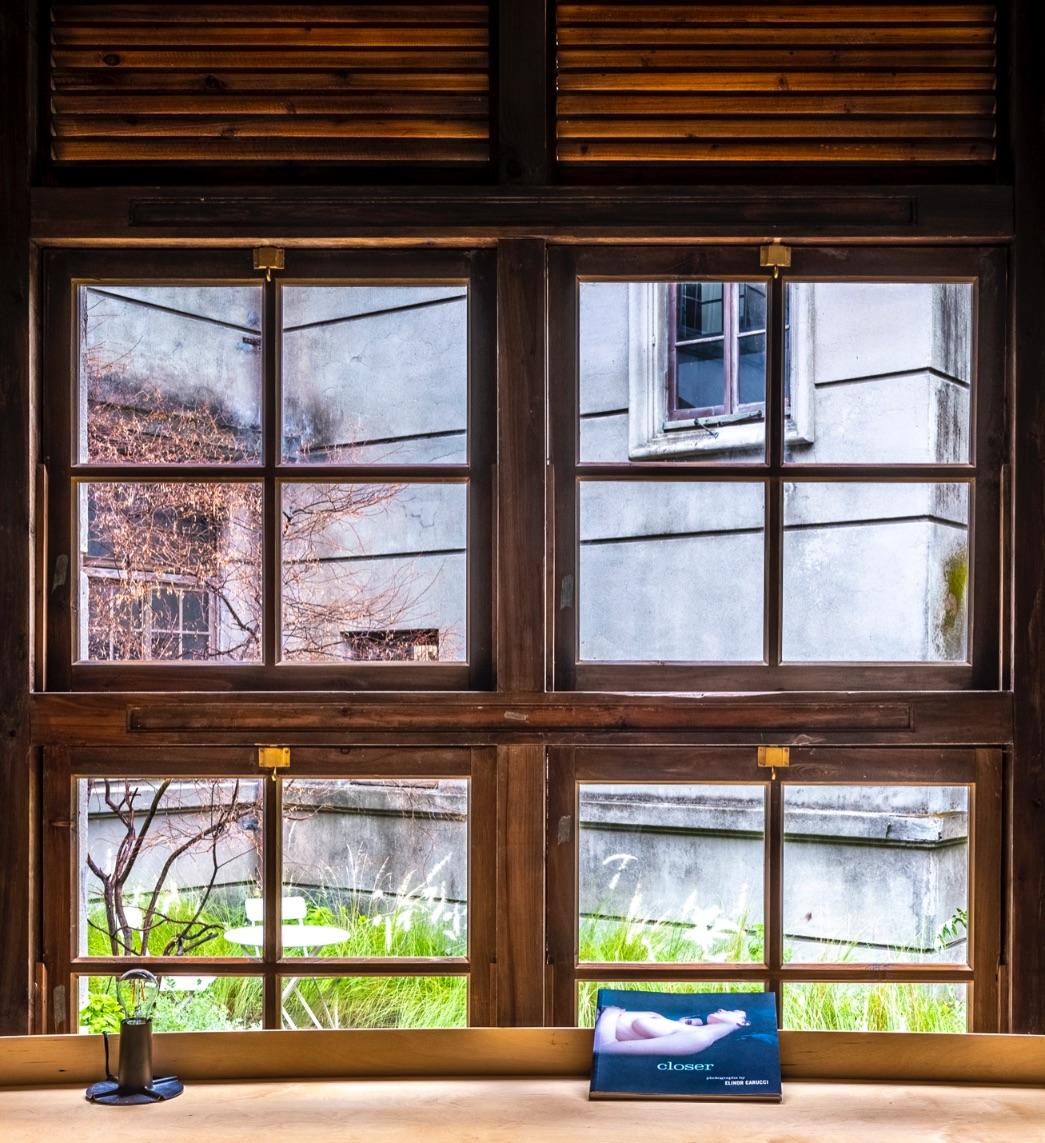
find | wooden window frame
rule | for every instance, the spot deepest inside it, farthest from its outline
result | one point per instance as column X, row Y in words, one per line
column 980, row 770
column 64, row 768
column 66, row 270
column 983, row 471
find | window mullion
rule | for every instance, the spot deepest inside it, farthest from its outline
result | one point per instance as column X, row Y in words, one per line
column 272, row 893
column 270, row 332
column 774, row 881
column 774, row 489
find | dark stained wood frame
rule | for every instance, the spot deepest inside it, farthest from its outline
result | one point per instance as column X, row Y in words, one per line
column 981, row 770
column 65, row 767
column 983, row 473
column 68, row 270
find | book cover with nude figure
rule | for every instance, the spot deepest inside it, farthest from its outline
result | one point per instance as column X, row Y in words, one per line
column 688, row 1045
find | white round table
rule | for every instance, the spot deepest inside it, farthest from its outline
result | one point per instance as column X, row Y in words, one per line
column 304, row 937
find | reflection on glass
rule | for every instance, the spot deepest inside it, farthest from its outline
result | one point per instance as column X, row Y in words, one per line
column 700, row 377
column 853, row 1007
column 375, row 868
column 671, row 873
column 374, row 572
column 169, row 374
column 880, row 372
column 185, row 1004
column 375, row 374
column 375, row 1002
column 876, row 572
column 671, row 571
column 170, row 571
column 876, row 873
column 588, row 991
column 166, row 865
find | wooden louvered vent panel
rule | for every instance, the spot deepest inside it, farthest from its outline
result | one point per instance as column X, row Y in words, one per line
column 661, row 83
column 370, row 83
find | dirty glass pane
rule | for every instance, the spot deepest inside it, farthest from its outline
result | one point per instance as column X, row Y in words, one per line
column 165, row 866
column 671, row 873
column 876, row 874
column 879, row 372
column 169, row 374
column 374, row 572
column 670, row 571
column 671, row 371
column 169, row 572
column 375, row 868
column 588, row 991
column 876, row 572
column 184, row 1004
column 831, row 1007
column 375, row 374
column 375, row 1002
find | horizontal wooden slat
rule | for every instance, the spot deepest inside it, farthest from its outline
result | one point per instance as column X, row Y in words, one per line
column 775, row 150
column 220, row 150
column 845, row 35
column 776, row 13
column 778, row 128
column 185, row 35
column 369, row 104
column 218, row 82
column 751, row 59
column 436, row 12
column 637, row 105
column 238, row 60
column 271, row 127
column 775, row 81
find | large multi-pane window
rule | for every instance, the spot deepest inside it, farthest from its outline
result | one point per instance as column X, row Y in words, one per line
column 266, row 476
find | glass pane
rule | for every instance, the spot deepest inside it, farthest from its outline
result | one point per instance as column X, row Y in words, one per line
column 184, row 1004
column 374, row 571
column 876, row 873
column 880, row 373
column 699, row 310
column 670, row 571
column 671, row 872
column 876, row 572
column 170, row 374
column 588, row 991
column 375, row 1002
column 751, row 361
column 375, row 374
column 165, row 865
column 654, row 357
column 824, row 1007
column 375, row 867
column 700, row 377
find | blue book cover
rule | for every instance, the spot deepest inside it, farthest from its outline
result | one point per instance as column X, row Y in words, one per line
column 691, row 1045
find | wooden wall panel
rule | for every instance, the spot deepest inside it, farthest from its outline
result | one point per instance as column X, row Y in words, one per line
column 372, row 83
column 669, row 83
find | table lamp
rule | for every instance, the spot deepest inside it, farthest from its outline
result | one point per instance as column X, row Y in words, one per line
column 136, row 992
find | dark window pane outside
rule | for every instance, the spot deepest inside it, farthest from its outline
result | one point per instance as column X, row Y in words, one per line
column 375, row 1002
column 751, row 357
column 166, row 865
column 153, row 544
column 700, row 376
column 700, row 310
column 751, row 307
column 375, row 374
column 170, row 374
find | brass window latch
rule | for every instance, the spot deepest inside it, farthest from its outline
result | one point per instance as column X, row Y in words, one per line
column 268, row 258
column 773, row 758
column 274, row 759
column 776, row 257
